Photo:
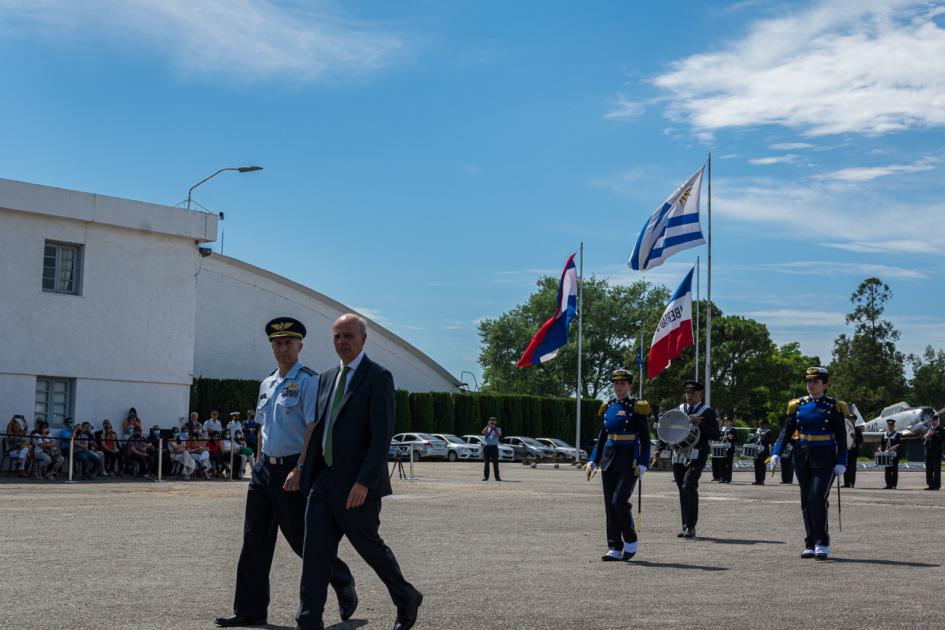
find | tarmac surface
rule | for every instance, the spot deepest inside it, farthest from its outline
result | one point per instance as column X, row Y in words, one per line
column 523, row 553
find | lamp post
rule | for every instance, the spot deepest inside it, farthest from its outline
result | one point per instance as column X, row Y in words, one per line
column 473, row 377
column 240, row 169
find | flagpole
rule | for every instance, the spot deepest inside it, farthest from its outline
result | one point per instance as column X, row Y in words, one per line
column 696, row 364
column 580, row 310
column 708, row 317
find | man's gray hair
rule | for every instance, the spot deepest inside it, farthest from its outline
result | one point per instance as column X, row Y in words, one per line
column 362, row 323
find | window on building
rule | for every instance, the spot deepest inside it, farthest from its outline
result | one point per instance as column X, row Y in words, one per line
column 54, row 398
column 62, row 268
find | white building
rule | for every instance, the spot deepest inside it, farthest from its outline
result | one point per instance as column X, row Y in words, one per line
column 108, row 304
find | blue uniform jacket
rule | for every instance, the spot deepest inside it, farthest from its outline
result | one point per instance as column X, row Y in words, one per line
column 624, row 439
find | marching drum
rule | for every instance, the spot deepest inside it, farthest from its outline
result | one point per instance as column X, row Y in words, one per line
column 676, row 429
column 787, row 450
column 719, row 449
column 884, row 459
column 750, row 450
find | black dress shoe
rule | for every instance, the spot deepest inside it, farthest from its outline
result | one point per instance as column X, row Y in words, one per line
column 682, row 532
column 240, row 620
column 347, row 602
column 627, row 555
column 609, row 558
column 407, row 615
column 690, row 533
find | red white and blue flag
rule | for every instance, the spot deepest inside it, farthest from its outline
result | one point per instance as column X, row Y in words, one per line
column 553, row 334
column 674, row 331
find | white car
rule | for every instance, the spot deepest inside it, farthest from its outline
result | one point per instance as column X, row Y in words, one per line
column 506, row 453
column 563, row 450
column 425, row 446
column 458, row 448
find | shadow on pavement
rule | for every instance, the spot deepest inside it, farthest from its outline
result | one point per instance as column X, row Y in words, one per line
column 895, row 563
column 740, row 541
column 676, row 565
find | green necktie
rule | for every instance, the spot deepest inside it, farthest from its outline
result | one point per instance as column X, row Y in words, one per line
column 335, row 408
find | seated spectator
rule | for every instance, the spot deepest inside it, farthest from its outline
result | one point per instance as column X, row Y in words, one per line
column 89, row 463
column 137, row 450
column 154, row 439
column 48, row 458
column 251, row 431
column 178, row 453
column 131, row 421
column 246, row 455
column 234, row 424
column 193, row 424
column 17, row 443
column 216, row 458
column 65, row 434
column 213, row 424
column 197, row 447
column 107, row 441
column 94, row 449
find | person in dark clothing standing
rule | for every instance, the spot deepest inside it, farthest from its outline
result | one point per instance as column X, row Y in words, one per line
column 932, row 443
column 763, row 440
column 491, row 435
column 728, row 436
column 787, row 461
column 854, row 437
column 687, row 470
column 622, row 453
column 890, row 441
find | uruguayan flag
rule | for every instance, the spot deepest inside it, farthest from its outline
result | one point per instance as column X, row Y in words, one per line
column 672, row 228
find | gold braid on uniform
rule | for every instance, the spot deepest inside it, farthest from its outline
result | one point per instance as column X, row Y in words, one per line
column 642, row 407
column 792, row 407
column 602, row 410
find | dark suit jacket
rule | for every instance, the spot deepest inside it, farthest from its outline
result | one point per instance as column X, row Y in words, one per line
column 361, row 433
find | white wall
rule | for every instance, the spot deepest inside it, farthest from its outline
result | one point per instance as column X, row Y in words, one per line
column 234, row 302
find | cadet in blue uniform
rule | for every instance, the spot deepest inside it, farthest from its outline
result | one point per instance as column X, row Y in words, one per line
column 285, row 409
column 622, row 453
column 687, row 475
column 890, row 441
column 820, row 454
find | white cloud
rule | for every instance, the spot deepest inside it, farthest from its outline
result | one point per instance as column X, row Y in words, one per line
column 871, row 67
column 866, row 173
column 791, row 146
column 248, row 39
column 804, row 318
column 820, row 267
column 625, row 109
column 790, row 158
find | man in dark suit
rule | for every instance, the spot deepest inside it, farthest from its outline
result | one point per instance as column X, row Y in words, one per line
column 343, row 469
column 932, row 443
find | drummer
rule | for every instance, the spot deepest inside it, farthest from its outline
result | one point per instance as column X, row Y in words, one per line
column 728, row 436
column 763, row 442
column 820, row 454
column 622, row 452
column 687, row 474
column 890, row 441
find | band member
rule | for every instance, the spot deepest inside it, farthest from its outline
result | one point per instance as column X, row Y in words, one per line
column 786, row 457
column 762, row 440
column 932, row 443
column 716, row 467
column 621, row 453
column 820, row 454
column 728, row 436
column 854, row 442
column 890, row 441
column 687, row 475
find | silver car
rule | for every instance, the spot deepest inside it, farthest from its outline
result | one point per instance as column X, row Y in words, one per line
column 506, row 453
column 425, row 446
column 563, row 450
column 458, row 448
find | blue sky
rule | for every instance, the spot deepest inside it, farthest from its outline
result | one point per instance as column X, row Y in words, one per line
column 426, row 161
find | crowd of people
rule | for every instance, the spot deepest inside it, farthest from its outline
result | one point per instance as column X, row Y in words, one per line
column 197, row 449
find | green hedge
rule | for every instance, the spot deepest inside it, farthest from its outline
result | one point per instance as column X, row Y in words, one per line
column 402, row 411
column 223, row 395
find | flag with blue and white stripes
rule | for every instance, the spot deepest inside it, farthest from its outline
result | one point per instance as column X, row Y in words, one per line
column 672, row 228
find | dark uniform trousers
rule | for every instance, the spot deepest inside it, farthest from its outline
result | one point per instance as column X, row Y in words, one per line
column 933, row 470
column 687, row 480
column 787, row 469
column 849, row 477
column 269, row 508
column 727, row 464
column 760, row 468
column 815, row 486
column 717, row 468
column 328, row 520
column 892, row 473
column 490, row 453
column 618, row 488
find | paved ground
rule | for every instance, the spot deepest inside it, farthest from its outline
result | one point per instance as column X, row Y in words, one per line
column 520, row 554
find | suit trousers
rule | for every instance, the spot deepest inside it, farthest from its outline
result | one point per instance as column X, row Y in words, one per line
column 849, row 477
column 815, row 486
column 687, row 480
column 787, row 469
column 760, row 469
column 933, row 471
column 892, row 474
column 716, row 468
column 269, row 508
column 490, row 453
column 618, row 489
column 326, row 521
column 727, row 464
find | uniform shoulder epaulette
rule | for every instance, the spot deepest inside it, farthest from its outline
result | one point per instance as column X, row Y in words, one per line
column 844, row 408
column 642, row 407
column 603, row 408
column 308, row 370
column 792, row 406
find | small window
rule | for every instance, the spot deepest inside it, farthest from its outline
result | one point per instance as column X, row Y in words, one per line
column 54, row 399
column 62, row 268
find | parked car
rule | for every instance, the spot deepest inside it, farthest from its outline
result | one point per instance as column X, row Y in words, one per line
column 563, row 450
column 458, row 448
column 529, row 449
column 425, row 446
column 506, row 453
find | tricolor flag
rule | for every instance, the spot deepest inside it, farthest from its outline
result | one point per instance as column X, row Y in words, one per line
column 674, row 331
column 553, row 334
column 672, row 228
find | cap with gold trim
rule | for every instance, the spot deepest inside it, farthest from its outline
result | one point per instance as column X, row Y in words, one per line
column 285, row 327
column 621, row 374
column 814, row 373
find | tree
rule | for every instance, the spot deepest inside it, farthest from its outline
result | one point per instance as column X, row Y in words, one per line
column 928, row 378
column 614, row 315
column 867, row 369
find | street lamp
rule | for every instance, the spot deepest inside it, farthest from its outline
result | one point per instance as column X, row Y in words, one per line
column 240, row 169
column 473, row 377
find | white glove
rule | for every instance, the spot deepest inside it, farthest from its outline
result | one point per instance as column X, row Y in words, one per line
column 640, row 471
column 839, row 469
column 591, row 470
